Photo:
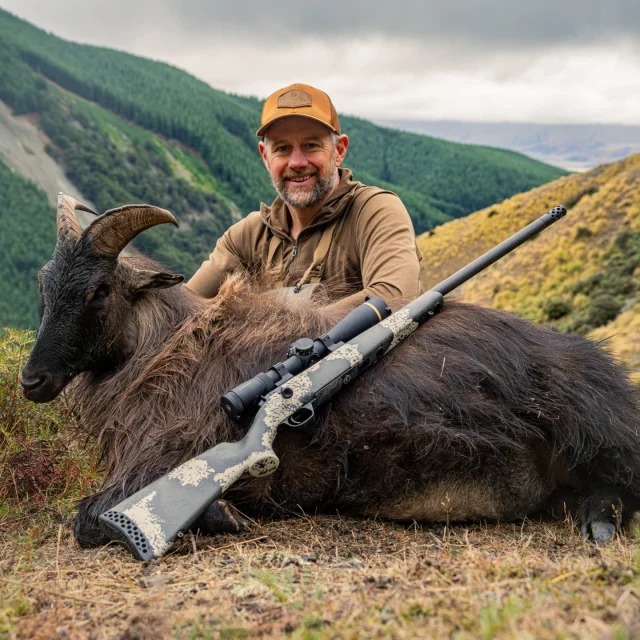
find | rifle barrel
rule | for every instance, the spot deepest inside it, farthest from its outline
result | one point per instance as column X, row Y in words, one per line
column 493, row 255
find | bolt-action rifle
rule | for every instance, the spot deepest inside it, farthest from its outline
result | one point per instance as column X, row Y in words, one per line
column 150, row 520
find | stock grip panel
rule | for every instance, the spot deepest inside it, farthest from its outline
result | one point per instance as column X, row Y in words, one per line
column 151, row 519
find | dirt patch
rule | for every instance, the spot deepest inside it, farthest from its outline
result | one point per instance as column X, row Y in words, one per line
column 330, row 577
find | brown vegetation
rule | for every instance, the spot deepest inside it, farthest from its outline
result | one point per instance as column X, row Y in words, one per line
column 329, row 577
column 39, row 457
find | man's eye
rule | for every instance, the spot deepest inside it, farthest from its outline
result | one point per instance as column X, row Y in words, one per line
column 281, row 149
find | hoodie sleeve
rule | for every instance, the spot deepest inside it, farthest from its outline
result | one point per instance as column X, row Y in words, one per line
column 234, row 250
column 389, row 257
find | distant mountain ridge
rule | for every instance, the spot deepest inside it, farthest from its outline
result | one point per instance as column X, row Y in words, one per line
column 575, row 147
column 123, row 129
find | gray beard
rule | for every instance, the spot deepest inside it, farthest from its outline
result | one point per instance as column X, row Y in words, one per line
column 320, row 191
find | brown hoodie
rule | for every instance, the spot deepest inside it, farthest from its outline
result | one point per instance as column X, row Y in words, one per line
column 372, row 249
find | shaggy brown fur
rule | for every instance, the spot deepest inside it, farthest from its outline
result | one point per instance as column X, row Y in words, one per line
column 477, row 415
column 165, row 400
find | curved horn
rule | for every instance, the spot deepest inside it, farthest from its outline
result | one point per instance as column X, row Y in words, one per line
column 116, row 228
column 66, row 221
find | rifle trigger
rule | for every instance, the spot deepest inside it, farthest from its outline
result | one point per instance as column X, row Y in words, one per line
column 302, row 419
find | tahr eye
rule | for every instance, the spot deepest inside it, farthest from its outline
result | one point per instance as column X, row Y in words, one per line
column 97, row 295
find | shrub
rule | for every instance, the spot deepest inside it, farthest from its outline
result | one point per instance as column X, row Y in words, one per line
column 572, row 201
column 555, row 308
column 601, row 309
column 40, row 460
column 582, row 233
column 585, row 287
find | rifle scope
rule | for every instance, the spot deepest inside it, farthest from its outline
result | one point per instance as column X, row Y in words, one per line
column 241, row 400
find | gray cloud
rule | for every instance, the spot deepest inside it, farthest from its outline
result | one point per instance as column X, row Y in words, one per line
column 496, row 22
column 499, row 60
column 469, row 23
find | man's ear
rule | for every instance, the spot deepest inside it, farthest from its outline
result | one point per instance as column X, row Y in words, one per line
column 341, row 149
column 262, row 148
column 143, row 280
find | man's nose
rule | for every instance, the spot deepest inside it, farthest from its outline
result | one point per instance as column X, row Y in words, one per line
column 297, row 159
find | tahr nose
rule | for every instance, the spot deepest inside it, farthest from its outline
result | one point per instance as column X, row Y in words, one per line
column 34, row 381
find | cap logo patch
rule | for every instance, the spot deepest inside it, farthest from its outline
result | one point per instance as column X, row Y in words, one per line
column 294, row 98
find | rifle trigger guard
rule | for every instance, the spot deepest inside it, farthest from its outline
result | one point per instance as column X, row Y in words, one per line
column 302, row 419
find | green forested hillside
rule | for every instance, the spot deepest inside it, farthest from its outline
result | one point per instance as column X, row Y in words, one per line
column 23, row 250
column 112, row 162
column 129, row 129
column 450, row 178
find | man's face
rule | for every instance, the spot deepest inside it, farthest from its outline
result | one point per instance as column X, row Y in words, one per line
column 302, row 158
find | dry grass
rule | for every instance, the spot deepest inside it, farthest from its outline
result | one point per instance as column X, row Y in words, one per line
column 623, row 334
column 328, row 577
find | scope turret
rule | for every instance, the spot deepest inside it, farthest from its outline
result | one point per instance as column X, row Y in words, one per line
column 304, row 352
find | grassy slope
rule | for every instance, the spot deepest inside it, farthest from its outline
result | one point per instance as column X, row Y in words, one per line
column 623, row 335
column 578, row 275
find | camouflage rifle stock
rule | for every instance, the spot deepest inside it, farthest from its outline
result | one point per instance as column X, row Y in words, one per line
column 151, row 519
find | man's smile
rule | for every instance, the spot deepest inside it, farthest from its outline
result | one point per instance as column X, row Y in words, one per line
column 300, row 180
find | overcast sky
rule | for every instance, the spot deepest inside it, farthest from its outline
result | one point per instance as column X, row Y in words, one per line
column 552, row 61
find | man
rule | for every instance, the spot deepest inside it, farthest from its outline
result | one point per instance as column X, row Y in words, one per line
column 323, row 226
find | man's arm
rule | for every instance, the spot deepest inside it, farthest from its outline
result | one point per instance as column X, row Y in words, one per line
column 389, row 259
column 229, row 254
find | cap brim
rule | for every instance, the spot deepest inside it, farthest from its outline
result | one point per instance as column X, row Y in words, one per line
column 261, row 131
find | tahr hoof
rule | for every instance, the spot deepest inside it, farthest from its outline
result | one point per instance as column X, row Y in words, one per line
column 220, row 517
column 601, row 514
column 87, row 529
column 600, row 532
column 89, row 533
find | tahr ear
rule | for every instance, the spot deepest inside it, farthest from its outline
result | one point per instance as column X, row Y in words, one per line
column 143, row 280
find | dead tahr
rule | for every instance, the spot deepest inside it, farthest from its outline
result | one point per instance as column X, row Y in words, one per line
column 477, row 416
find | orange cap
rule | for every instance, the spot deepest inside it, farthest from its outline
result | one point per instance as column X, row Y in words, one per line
column 299, row 100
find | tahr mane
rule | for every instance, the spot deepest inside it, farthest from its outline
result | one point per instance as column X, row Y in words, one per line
column 188, row 352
